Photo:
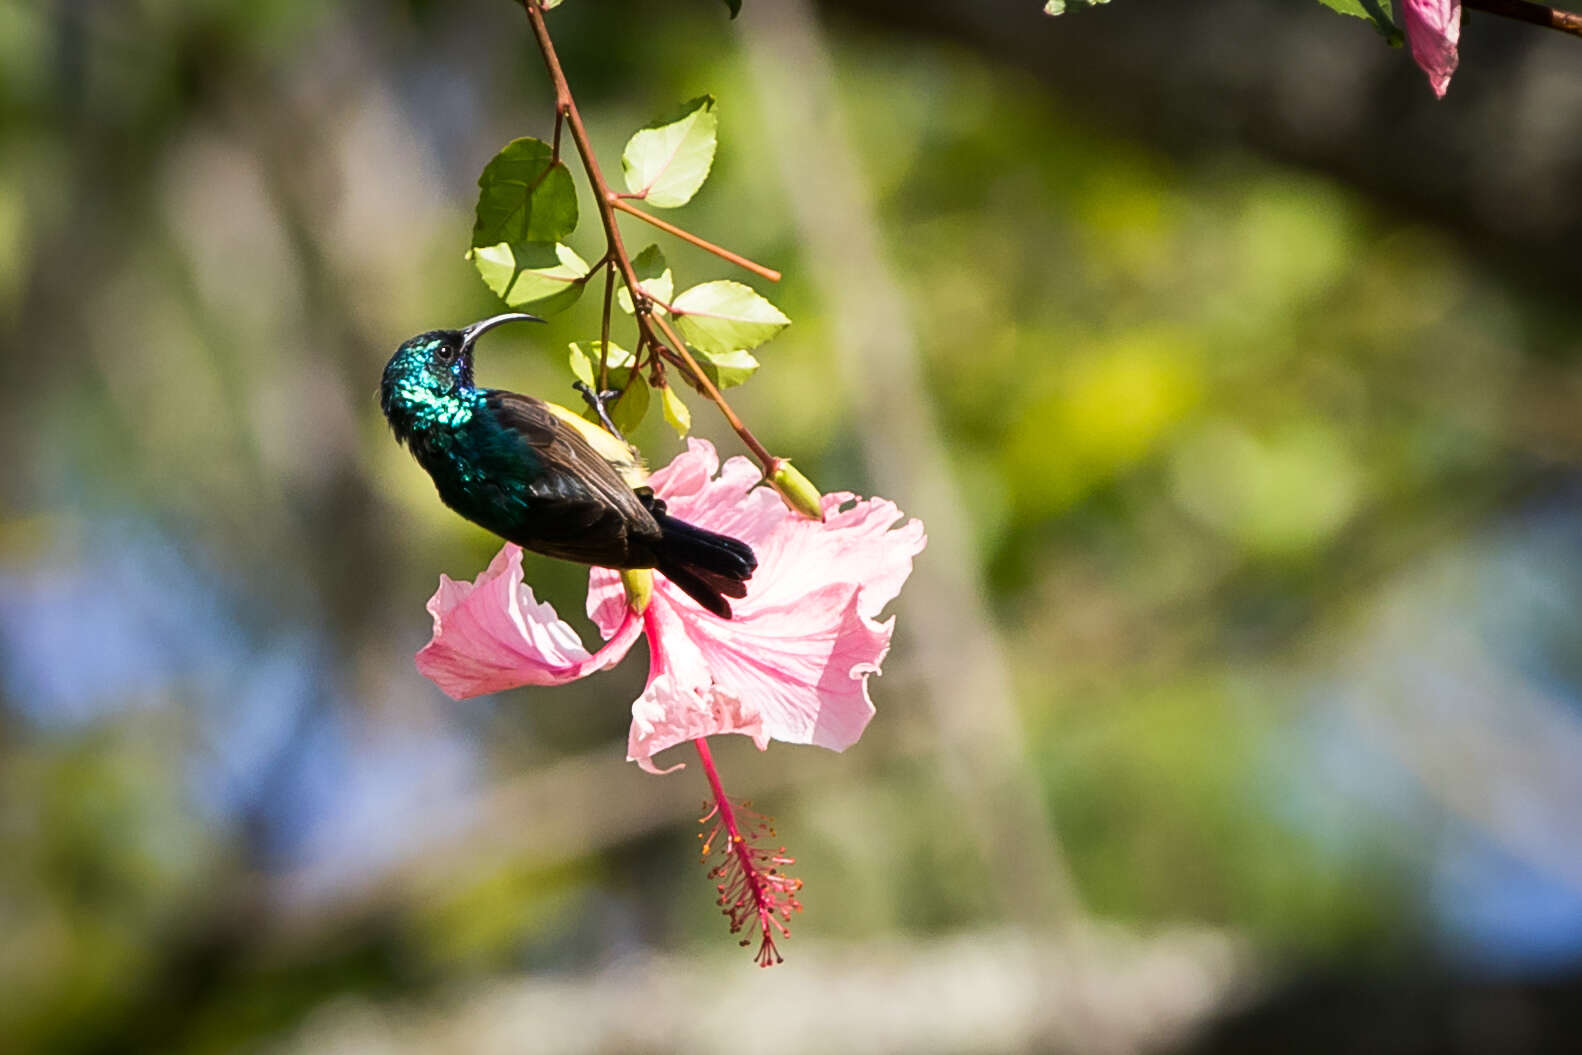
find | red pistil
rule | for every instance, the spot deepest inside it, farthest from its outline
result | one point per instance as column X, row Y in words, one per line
column 750, row 884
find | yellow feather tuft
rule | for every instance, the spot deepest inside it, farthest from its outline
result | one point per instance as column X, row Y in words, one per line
column 623, row 457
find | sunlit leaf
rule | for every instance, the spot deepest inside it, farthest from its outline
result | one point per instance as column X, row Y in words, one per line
column 724, row 316
column 585, row 364
column 727, row 369
column 548, row 277
column 667, row 161
column 676, row 412
column 653, row 277
column 524, row 195
column 1058, row 7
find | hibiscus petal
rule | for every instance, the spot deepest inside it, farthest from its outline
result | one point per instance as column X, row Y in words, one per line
column 492, row 634
column 1433, row 29
column 792, row 663
column 860, row 541
column 607, row 605
column 795, row 675
column 730, row 503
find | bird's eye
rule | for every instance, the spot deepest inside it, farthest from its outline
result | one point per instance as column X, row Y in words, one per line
column 445, row 354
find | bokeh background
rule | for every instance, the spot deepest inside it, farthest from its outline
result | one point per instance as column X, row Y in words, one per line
column 1233, row 707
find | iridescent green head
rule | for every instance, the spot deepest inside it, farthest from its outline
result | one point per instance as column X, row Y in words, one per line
column 428, row 381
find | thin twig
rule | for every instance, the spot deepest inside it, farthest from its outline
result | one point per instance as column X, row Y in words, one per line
column 769, row 462
column 1536, row 14
column 604, row 328
column 687, row 236
column 612, row 233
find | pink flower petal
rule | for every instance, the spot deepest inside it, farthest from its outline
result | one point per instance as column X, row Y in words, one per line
column 492, row 634
column 791, row 665
column 1433, row 29
column 793, row 662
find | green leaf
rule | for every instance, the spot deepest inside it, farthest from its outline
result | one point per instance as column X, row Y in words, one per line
column 653, row 278
column 676, row 412
column 1058, row 7
column 630, row 409
column 581, row 366
column 667, row 161
column 1375, row 11
column 585, row 364
column 728, row 369
column 725, row 316
column 548, row 277
column 524, row 195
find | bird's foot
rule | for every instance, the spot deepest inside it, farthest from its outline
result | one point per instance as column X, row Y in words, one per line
column 598, row 401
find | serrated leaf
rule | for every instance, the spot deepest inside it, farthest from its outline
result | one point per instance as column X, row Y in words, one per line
column 667, row 161
column 728, row 369
column 653, row 278
column 524, row 195
column 629, row 411
column 726, row 316
column 676, row 412
column 548, row 277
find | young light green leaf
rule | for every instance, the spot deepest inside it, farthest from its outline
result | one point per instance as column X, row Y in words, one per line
column 667, row 161
column 581, row 365
column 676, row 412
column 585, row 364
column 632, row 407
column 653, row 278
column 725, row 316
column 548, row 277
column 524, row 195
column 728, row 369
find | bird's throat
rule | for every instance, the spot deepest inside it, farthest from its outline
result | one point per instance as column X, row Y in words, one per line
column 418, row 411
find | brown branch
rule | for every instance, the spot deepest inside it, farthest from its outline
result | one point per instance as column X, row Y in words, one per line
column 617, row 249
column 704, row 385
column 604, row 328
column 620, row 203
column 1536, row 14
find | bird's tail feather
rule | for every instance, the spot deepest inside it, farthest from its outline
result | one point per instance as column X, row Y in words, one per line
column 707, row 566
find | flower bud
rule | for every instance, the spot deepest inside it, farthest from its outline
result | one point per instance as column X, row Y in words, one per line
column 796, row 490
column 639, row 583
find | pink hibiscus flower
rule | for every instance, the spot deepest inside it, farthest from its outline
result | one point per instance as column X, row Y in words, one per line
column 1433, row 29
column 792, row 663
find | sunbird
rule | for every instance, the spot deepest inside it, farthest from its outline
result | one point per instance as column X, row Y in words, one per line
column 540, row 476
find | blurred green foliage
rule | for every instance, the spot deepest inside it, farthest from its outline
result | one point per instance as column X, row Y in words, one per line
column 1198, row 414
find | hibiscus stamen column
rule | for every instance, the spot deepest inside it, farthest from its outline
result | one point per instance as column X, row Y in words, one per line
column 750, row 884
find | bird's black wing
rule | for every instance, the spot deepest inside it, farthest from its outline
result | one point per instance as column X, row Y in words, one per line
column 581, row 508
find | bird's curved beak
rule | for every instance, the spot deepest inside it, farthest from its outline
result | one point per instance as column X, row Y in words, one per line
column 483, row 326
